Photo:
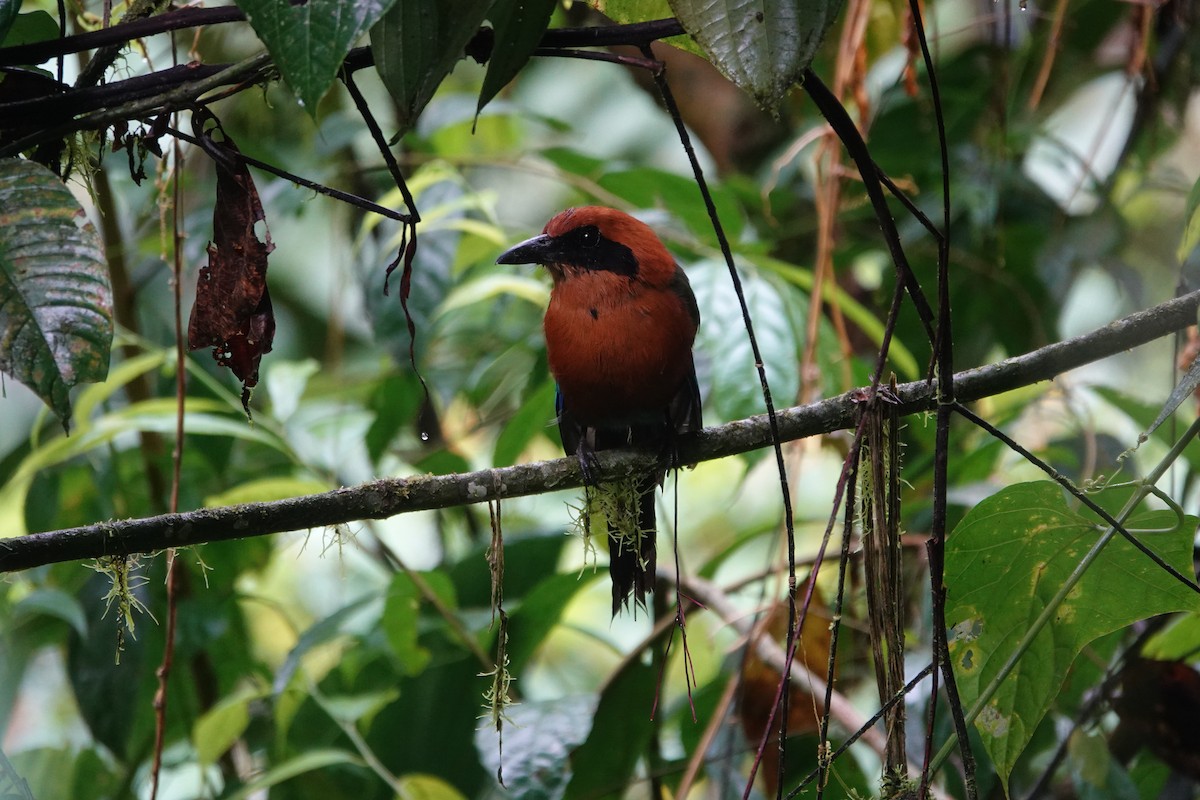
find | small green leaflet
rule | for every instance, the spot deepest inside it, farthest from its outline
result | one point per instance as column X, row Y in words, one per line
column 309, row 40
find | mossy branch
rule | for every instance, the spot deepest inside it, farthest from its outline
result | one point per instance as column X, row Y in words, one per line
column 389, row 497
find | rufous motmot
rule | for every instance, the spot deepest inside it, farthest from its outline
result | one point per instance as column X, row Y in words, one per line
column 619, row 332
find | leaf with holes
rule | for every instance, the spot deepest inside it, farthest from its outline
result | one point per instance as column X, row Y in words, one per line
column 1004, row 563
column 763, row 46
column 233, row 313
column 417, row 44
column 309, row 39
column 56, row 322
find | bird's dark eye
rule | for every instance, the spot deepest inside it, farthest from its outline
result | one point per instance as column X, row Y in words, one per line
column 589, row 236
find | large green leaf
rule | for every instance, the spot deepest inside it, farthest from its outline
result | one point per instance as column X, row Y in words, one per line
column 537, row 742
column 621, row 729
column 733, row 388
column 763, row 46
column 647, row 187
column 416, row 44
column 309, row 40
column 519, row 25
column 1004, row 563
column 55, row 301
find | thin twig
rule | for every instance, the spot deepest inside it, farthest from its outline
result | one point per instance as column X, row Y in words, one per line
column 173, row 568
column 837, row 117
column 944, row 354
column 866, row 726
column 319, row 188
column 668, row 99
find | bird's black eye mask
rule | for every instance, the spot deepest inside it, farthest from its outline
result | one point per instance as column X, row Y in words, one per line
column 586, row 247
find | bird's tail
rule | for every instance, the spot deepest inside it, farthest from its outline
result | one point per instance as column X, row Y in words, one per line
column 631, row 545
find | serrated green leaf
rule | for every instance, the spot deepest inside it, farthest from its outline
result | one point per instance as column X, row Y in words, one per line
column 309, row 40
column 733, row 387
column 1004, row 563
column 763, row 46
column 417, row 44
column 55, row 300
column 518, row 26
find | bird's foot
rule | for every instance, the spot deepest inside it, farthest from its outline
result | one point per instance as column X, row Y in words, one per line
column 589, row 463
column 669, row 456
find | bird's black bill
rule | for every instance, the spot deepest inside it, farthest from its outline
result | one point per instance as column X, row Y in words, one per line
column 538, row 250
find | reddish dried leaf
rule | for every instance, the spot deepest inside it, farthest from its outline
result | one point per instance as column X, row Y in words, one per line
column 760, row 683
column 232, row 313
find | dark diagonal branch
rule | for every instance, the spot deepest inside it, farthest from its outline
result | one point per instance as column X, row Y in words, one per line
column 182, row 18
column 60, row 113
column 385, row 498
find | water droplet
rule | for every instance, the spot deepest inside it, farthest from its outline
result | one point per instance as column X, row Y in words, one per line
column 424, row 436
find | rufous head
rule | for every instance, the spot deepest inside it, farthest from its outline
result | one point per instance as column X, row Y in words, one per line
column 596, row 239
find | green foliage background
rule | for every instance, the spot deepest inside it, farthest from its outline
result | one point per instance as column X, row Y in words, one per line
column 347, row 663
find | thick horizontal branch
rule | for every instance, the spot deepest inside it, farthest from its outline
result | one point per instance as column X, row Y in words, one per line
column 389, row 497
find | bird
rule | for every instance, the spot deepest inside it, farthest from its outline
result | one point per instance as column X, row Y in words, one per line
column 619, row 330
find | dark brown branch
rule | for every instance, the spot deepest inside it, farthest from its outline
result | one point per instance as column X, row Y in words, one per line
column 385, row 498
column 56, row 115
column 183, row 95
column 38, row 52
